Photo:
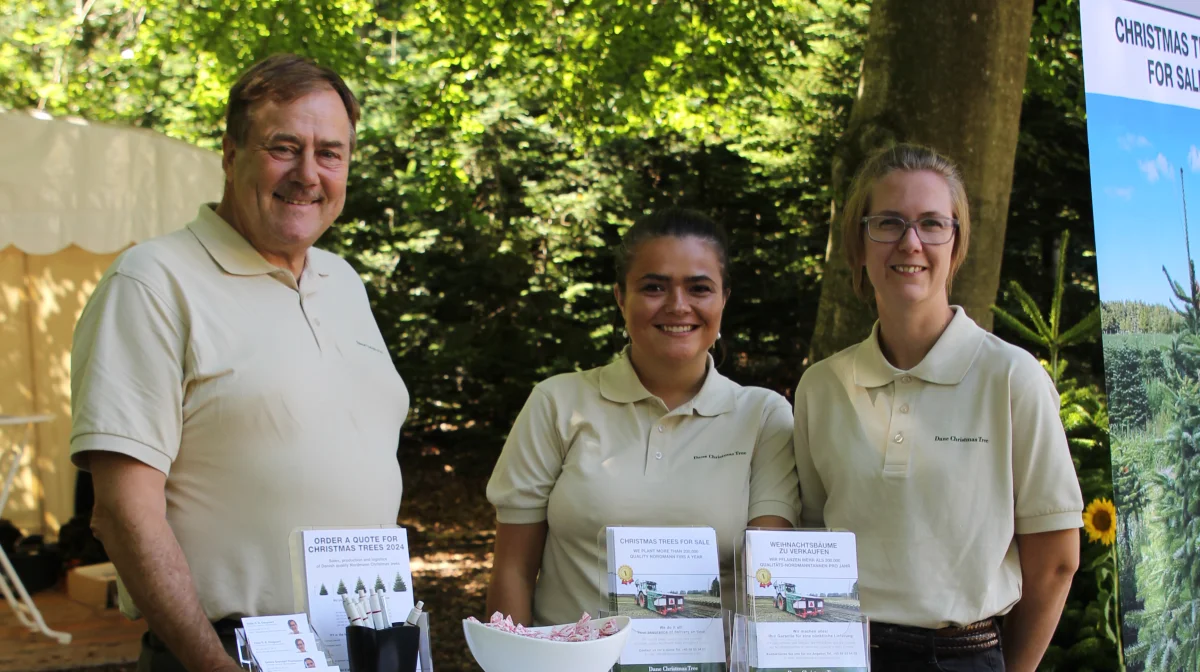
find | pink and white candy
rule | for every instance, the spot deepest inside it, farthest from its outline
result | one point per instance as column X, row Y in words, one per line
column 576, row 632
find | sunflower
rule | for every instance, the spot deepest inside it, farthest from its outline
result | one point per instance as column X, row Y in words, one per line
column 1100, row 521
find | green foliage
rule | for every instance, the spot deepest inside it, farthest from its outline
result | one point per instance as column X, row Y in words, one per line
column 1144, row 344
column 341, row 589
column 1052, row 194
column 483, row 227
column 161, row 64
column 1137, row 317
column 1154, row 366
column 1045, row 331
column 399, row 586
column 1133, row 499
column 360, row 586
column 1051, row 185
column 1126, row 387
column 503, row 149
column 1188, row 297
column 1159, row 394
column 1137, row 377
column 323, row 591
column 617, row 66
column 1162, row 517
column 1131, row 489
column 505, row 146
column 1088, row 634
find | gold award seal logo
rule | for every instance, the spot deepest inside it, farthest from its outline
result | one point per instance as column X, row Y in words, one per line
column 625, row 573
column 764, row 577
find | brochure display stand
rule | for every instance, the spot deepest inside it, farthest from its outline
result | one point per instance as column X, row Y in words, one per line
column 280, row 644
column 667, row 581
column 798, row 603
column 330, row 564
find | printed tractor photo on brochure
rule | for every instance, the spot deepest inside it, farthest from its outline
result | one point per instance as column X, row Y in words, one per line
column 782, row 599
column 664, row 603
column 666, row 596
column 786, row 599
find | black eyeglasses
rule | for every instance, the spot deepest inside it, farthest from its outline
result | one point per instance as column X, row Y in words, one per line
column 891, row 228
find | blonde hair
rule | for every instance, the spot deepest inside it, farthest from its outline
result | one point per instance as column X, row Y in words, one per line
column 908, row 158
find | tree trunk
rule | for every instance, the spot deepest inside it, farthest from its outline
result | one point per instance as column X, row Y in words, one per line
column 948, row 74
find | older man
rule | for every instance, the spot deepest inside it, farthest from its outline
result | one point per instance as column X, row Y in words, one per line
column 229, row 382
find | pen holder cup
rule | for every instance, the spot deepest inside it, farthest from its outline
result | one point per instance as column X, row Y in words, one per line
column 390, row 650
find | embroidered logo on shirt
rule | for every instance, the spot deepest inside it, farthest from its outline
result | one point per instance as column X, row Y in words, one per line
column 710, row 456
column 371, row 347
column 961, row 439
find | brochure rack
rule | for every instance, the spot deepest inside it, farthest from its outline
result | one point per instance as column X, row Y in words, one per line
column 667, row 580
column 796, row 605
column 330, row 558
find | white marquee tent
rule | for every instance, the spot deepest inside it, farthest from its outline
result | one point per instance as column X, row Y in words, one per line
column 73, row 194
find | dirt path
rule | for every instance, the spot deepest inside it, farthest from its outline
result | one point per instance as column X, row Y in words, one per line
column 451, row 527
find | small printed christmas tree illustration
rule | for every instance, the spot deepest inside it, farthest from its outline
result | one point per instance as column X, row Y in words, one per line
column 342, row 588
column 398, row 586
column 323, row 591
column 379, row 584
column 359, row 587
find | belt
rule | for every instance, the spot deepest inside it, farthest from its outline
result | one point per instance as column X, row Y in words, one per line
column 226, row 626
column 156, row 657
column 225, row 631
column 953, row 640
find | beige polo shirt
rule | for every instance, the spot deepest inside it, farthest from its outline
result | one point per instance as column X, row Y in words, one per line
column 269, row 404
column 935, row 469
column 594, row 449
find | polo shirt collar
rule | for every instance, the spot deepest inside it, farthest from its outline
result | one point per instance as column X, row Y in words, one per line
column 619, row 383
column 233, row 253
column 946, row 364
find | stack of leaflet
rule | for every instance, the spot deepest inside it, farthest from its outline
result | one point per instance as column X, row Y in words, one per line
column 666, row 580
column 281, row 644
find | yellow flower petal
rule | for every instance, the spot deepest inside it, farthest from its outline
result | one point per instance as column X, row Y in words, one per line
column 1100, row 521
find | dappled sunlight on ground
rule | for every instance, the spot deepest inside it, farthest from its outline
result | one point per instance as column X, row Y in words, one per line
column 451, row 527
column 453, row 586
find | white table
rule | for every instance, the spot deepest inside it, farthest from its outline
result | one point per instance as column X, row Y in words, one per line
column 25, row 609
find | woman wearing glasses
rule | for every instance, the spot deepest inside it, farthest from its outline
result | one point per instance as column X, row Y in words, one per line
column 937, row 444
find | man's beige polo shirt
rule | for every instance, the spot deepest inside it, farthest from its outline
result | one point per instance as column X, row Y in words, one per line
column 935, row 470
column 595, row 448
column 270, row 406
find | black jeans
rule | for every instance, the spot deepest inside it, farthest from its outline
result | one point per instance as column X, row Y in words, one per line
column 892, row 659
column 156, row 657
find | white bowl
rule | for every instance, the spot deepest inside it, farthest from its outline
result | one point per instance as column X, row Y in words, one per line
column 499, row 651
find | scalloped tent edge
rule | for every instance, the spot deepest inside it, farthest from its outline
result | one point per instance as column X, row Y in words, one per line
column 73, row 195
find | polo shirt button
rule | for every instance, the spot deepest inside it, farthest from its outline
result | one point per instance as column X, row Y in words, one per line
column 899, row 438
column 658, row 456
column 660, row 429
column 906, row 380
column 317, row 322
column 904, row 408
